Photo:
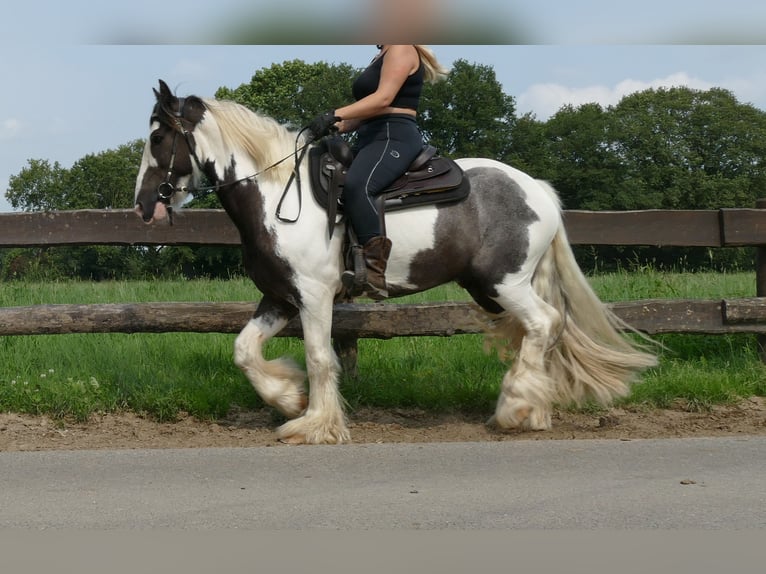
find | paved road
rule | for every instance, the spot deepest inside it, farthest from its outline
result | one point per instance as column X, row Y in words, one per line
column 705, row 483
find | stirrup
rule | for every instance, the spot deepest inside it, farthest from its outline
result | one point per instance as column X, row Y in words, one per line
column 350, row 281
column 355, row 280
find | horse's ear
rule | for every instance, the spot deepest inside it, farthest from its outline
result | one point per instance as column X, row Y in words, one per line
column 164, row 95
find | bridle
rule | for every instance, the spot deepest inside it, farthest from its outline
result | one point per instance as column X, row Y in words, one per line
column 166, row 189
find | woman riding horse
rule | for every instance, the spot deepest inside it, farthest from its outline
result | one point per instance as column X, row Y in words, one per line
column 387, row 94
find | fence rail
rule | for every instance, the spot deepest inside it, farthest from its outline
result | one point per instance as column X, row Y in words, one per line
column 696, row 228
column 382, row 321
column 691, row 228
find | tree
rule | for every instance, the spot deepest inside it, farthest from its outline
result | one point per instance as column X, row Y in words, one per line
column 37, row 187
column 587, row 171
column 688, row 149
column 294, row 92
column 675, row 148
column 106, row 180
column 468, row 115
column 97, row 181
column 530, row 148
column 465, row 115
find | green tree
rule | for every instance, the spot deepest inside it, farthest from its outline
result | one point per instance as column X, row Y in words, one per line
column 37, row 187
column 468, row 114
column 294, row 92
column 530, row 148
column 97, row 181
column 105, row 180
column 584, row 168
column 688, row 149
column 674, row 148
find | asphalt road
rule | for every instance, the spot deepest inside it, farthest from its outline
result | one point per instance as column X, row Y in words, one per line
column 705, row 483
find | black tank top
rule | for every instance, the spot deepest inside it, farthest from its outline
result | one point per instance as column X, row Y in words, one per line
column 408, row 95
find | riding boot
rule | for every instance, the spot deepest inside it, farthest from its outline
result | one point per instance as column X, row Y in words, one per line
column 376, row 252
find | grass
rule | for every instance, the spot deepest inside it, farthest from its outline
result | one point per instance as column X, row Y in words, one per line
column 162, row 375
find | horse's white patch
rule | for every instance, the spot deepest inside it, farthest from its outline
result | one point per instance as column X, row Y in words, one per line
column 411, row 231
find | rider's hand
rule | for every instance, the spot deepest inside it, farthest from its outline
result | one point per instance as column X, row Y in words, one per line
column 322, row 125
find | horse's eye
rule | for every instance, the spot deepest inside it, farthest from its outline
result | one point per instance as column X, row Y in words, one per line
column 156, row 138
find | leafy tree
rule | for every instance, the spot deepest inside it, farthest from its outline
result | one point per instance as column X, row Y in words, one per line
column 688, row 149
column 37, row 187
column 294, row 92
column 468, row 115
column 584, row 167
column 674, row 148
column 530, row 148
column 97, row 181
column 105, row 180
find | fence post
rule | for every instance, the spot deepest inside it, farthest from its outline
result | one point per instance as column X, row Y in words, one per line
column 760, row 279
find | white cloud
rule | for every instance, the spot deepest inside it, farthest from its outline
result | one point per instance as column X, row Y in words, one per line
column 9, row 128
column 749, row 90
column 544, row 100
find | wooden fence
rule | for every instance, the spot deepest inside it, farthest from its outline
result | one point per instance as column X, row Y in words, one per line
column 696, row 228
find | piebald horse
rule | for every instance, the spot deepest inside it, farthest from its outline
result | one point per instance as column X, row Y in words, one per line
column 505, row 244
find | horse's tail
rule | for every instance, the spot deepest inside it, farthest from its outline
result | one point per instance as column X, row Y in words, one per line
column 590, row 358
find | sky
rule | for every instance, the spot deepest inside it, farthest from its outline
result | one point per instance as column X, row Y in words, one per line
column 77, row 76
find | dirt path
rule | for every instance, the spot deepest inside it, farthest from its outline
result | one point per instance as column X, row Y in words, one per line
column 117, row 431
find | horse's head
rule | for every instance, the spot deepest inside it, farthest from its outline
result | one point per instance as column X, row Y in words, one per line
column 170, row 157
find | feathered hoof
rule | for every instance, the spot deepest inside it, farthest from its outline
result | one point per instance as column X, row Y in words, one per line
column 516, row 413
column 309, row 430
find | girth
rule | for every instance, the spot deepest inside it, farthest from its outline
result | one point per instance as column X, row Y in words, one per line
column 430, row 179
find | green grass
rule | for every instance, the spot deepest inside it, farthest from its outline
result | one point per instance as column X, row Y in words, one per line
column 162, row 375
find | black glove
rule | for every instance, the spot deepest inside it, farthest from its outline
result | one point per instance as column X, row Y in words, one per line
column 322, row 125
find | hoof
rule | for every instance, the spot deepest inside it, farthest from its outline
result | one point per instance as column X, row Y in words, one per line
column 305, row 430
column 293, row 440
column 519, row 414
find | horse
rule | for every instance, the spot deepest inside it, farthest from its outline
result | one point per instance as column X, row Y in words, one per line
column 505, row 244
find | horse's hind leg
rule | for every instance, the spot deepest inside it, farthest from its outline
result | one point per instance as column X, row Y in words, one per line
column 527, row 391
column 279, row 382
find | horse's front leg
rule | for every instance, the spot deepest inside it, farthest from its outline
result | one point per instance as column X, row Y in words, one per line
column 279, row 382
column 324, row 421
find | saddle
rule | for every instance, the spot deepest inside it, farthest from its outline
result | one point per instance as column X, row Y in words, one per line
column 430, row 179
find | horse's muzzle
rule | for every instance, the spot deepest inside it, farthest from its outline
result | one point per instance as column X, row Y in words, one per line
column 150, row 213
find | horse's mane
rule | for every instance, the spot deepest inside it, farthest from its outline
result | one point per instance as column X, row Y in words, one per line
column 262, row 137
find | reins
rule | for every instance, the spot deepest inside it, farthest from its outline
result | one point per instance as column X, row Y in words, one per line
column 295, row 175
column 253, row 176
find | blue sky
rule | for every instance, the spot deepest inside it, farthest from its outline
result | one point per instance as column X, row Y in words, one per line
column 77, row 75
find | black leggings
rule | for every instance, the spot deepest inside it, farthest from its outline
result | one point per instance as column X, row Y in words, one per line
column 386, row 147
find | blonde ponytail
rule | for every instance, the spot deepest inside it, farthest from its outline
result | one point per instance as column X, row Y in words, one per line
column 434, row 71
